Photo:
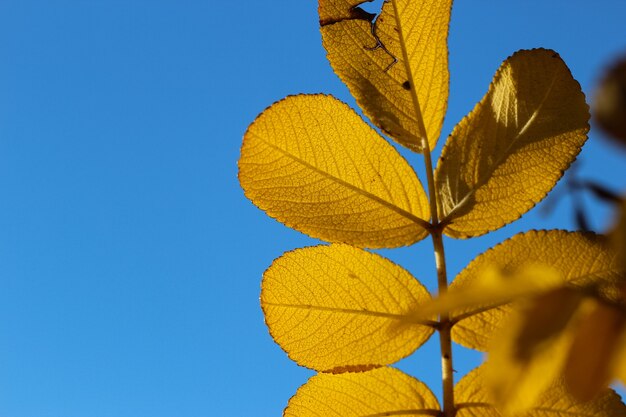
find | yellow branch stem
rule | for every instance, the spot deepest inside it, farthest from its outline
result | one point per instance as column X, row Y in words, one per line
column 445, row 325
column 435, row 230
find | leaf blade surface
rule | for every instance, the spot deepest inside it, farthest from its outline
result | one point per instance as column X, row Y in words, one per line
column 395, row 64
column 580, row 258
column 376, row 393
column 312, row 163
column 473, row 399
column 509, row 152
column 338, row 308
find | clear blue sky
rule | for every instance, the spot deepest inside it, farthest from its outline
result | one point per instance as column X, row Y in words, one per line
column 130, row 261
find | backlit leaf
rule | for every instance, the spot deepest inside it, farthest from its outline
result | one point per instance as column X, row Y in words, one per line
column 338, row 308
column 580, row 258
column 395, row 65
column 380, row 392
column 509, row 152
column 493, row 288
column 313, row 164
column 473, row 399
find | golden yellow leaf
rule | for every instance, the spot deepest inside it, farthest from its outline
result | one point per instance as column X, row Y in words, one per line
column 338, row 308
column 589, row 367
column 313, row 164
column 377, row 393
column 492, row 289
column 395, row 65
column 580, row 258
column 473, row 399
column 532, row 346
column 509, row 152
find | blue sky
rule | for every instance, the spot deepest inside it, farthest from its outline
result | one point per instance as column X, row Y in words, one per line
column 130, row 261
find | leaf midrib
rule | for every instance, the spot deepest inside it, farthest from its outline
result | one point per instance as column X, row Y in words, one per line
column 408, row 318
column 488, row 175
column 408, row 215
column 409, row 73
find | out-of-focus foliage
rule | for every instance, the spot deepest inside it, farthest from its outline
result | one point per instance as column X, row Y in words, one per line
column 578, row 258
column 609, row 107
column 475, row 400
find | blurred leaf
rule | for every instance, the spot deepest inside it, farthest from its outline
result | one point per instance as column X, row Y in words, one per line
column 532, row 346
column 338, row 308
column 602, row 192
column 493, row 288
column 313, row 164
column 395, row 65
column 380, row 392
column 509, row 152
column 580, row 258
column 588, row 368
column 609, row 106
column 473, row 399
column 617, row 235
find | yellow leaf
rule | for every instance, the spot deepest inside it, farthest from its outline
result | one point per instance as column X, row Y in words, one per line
column 395, row 65
column 509, row 152
column 380, row 392
column 532, row 346
column 313, row 164
column 492, row 289
column 338, row 308
column 473, row 399
column 589, row 365
column 580, row 258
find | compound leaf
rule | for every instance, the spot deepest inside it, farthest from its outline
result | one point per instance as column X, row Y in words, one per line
column 473, row 399
column 338, row 308
column 395, row 65
column 509, row 152
column 313, row 164
column 580, row 258
column 380, row 392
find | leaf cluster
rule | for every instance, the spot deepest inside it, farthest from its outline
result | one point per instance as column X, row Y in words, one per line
column 315, row 165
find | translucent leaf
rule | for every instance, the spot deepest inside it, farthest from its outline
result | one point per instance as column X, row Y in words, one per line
column 313, row 164
column 580, row 258
column 338, row 308
column 532, row 346
column 493, row 288
column 474, row 400
column 380, row 392
column 395, row 65
column 509, row 152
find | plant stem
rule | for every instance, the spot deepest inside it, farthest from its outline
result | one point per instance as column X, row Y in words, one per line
column 445, row 326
